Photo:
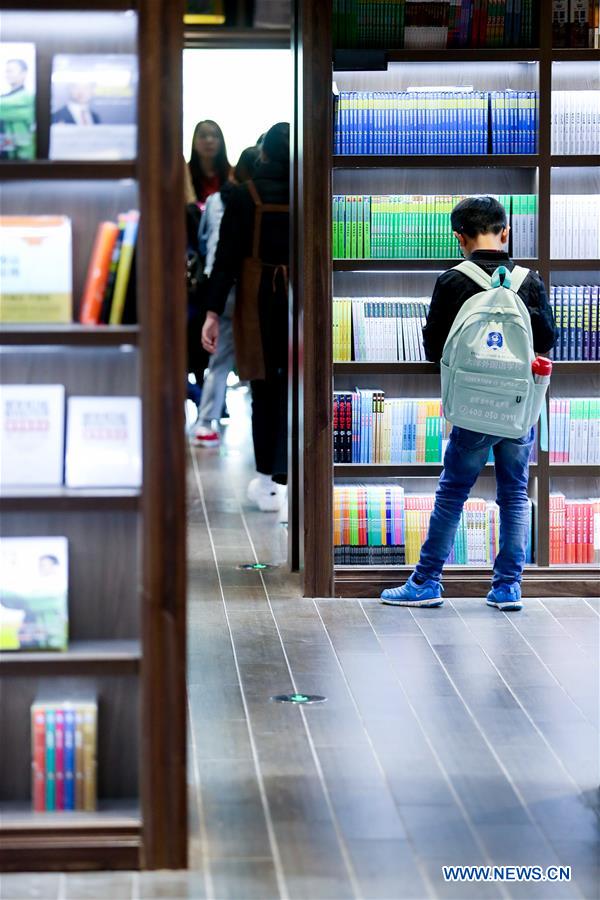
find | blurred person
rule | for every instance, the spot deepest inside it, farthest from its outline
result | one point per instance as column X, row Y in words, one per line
column 17, row 113
column 222, row 361
column 253, row 252
column 78, row 111
column 208, row 165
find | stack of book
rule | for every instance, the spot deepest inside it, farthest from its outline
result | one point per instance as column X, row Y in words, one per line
column 576, row 23
column 380, row 524
column 418, row 226
column 577, row 316
column 370, row 329
column 575, row 226
column 575, row 122
column 448, row 122
column 63, row 756
column 574, row 530
column 575, row 431
column 109, row 292
column 368, row 428
column 368, row 525
column 437, row 23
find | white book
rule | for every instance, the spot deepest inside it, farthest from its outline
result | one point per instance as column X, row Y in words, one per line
column 104, row 442
column 32, row 437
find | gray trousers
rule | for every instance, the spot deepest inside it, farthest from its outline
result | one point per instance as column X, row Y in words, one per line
column 221, row 362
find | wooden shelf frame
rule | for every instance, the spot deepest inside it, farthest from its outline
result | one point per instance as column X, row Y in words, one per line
column 69, row 335
column 316, row 164
column 152, row 832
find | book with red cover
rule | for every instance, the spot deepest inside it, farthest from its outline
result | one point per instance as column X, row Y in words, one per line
column 97, row 275
column 38, row 756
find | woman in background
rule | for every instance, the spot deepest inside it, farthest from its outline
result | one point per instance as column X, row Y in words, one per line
column 208, row 165
column 222, row 360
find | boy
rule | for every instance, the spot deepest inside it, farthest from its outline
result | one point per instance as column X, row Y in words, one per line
column 480, row 226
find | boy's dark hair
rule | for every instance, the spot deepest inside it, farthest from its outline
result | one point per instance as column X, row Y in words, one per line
column 478, row 215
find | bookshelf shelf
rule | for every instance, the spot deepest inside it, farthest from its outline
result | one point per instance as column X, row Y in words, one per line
column 80, row 657
column 579, row 471
column 431, row 161
column 574, row 265
column 111, row 836
column 468, row 581
column 410, row 470
column 126, row 546
column 410, row 265
column 357, row 60
column 385, row 368
column 45, row 169
column 322, row 174
column 575, row 160
column 72, row 335
column 69, row 499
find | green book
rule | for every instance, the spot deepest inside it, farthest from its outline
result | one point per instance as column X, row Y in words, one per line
column 347, row 228
column 360, row 233
column 367, row 226
column 50, row 760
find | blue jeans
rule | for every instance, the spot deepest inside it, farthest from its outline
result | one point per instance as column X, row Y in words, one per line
column 465, row 456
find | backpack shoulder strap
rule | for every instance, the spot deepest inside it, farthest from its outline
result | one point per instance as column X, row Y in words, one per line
column 475, row 273
column 517, row 277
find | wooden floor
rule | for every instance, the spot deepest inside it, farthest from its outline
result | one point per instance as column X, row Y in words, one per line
column 460, row 736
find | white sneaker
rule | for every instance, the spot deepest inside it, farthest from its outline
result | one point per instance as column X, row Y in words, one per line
column 265, row 494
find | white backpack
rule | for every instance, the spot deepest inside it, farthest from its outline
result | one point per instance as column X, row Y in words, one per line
column 487, row 382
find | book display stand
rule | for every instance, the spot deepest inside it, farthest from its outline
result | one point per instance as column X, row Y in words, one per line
column 323, row 175
column 126, row 544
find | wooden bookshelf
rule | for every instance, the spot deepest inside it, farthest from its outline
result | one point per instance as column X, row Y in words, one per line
column 320, row 172
column 126, row 547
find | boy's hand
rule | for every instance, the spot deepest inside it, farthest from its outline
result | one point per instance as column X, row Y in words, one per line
column 210, row 332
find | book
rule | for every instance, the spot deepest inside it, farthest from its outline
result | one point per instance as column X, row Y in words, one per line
column 124, row 266
column 379, row 328
column 574, row 430
column 34, row 582
column 576, row 313
column 32, row 435
column 575, row 122
column 17, row 100
column 574, row 530
column 35, row 269
column 97, row 275
column 64, row 755
column 382, row 524
column 104, row 442
column 575, row 226
column 93, row 106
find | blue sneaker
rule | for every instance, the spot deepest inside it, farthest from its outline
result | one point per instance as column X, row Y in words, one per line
column 428, row 594
column 506, row 597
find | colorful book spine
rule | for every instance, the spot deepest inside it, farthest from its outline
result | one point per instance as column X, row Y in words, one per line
column 63, row 746
column 124, row 267
column 577, row 316
column 97, row 275
column 574, row 530
column 574, row 426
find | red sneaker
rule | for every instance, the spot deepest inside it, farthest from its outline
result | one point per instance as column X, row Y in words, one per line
column 206, row 437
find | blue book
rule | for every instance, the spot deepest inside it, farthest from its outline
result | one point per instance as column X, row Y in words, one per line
column 587, row 321
column 595, row 322
column 579, row 315
column 50, row 760
column 69, row 759
column 572, row 340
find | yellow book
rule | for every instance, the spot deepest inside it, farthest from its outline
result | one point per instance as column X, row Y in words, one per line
column 89, row 756
column 35, row 269
column 124, row 267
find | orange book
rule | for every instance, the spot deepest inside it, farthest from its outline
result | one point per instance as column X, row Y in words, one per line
column 97, row 275
column 570, row 532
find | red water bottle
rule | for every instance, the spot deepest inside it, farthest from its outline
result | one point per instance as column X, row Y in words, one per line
column 542, row 369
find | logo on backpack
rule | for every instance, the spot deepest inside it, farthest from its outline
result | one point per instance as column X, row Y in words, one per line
column 494, row 340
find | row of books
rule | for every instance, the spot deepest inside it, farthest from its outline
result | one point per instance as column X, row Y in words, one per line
column 576, row 23
column 34, row 583
column 437, row 23
column 575, row 226
column 575, row 430
column 63, row 756
column 574, row 530
column 102, row 447
column 453, row 121
column 370, row 428
column 576, row 311
column 93, row 101
column 380, row 524
column 418, row 226
column 36, row 271
column 370, row 329
column 575, row 122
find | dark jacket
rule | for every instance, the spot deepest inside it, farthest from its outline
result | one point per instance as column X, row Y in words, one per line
column 65, row 116
column 237, row 227
column 453, row 288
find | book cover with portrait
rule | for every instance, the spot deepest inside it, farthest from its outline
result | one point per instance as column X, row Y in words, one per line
column 17, row 100
column 93, row 106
